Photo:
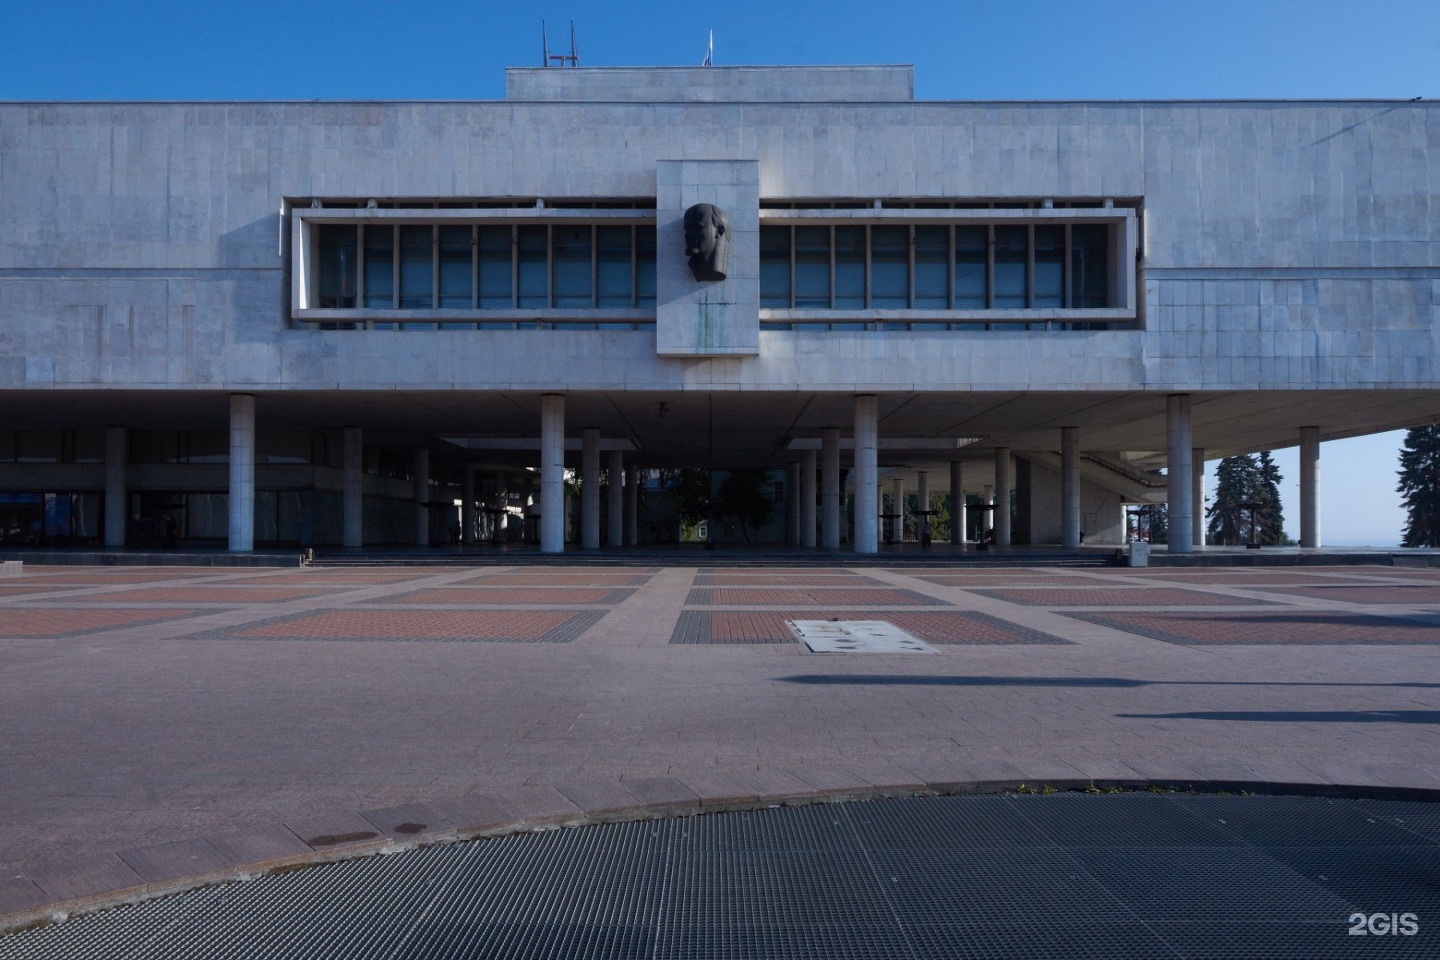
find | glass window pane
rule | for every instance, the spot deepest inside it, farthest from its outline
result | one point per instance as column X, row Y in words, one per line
column 775, row 267
column 614, row 280
column 456, row 275
column 972, row 247
column 496, row 269
column 812, row 267
column 889, row 267
column 208, row 446
column 379, row 266
column 532, row 244
column 644, row 266
column 1049, row 266
column 417, row 278
column 338, row 263
column 1090, row 265
column 38, row 446
column 572, row 266
column 88, row 446
column 1010, row 268
column 932, row 274
column 850, row 268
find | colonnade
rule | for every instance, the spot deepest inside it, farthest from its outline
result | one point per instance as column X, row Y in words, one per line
column 1185, row 485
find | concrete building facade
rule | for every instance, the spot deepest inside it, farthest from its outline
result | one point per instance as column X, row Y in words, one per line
column 327, row 322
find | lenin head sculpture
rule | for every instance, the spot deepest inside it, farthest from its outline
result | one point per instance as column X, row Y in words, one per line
column 706, row 241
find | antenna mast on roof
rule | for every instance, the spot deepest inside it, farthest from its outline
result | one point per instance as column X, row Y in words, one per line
column 572, row 59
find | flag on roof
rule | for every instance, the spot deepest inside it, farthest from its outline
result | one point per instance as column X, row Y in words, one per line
column 710, row 52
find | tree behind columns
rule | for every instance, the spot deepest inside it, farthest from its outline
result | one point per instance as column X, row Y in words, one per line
column 1420, row 484
column 748, row 495
column 1246, row 480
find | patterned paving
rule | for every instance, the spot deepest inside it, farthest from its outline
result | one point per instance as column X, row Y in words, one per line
column 356, row 577
column 22, row 622
column 36, row 586
column 473, row 626
column 120, row 575
column 1269, row 628
column 768, row 626
column 1017, row 579
column 1407, row 594
column 236, row 595
column 1117, row 597
column 1240, row 578
column 541, row 579
column 511, row 596
column 760, row 578
column 817, row 597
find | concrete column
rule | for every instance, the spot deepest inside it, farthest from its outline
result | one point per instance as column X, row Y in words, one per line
column 590, row 488
column 615, row 500
column 353, row 484
column 1069, row 487
column 897, row 494
column 830, row 488
column 422, row 496
column 1002, row 497
column 117, row 511
column 807, row 498
column 632, row 506
column 552, row 473
column 1309, row 486
column 957, row 502
column 242, row 473
column 1197, row 497
column 1177, row 472
column 867, row 511
column 792, row 505
column 467, row 504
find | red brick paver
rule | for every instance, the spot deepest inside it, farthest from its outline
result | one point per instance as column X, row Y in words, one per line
column 1407, row 594
column 511, row 596
column 1116, row 597
column 941, row 627
column 50, row 622
column 761, row 579
column 1306, row 627
column 441, row 625
column 542, row 579
column 819, row 597
column 238, row 595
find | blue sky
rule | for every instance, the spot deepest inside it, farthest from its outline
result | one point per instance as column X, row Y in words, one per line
column 961, row 49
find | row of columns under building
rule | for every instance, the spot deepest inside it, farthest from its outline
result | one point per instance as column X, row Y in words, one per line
column 1184, row 478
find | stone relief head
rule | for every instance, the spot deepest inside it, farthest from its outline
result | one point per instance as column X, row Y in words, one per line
column 707, row 241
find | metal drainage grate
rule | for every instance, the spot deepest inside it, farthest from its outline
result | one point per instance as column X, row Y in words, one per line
column 1065, row 875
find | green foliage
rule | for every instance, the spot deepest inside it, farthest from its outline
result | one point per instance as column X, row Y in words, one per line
column 1420, row 484
column 747, row 495
column 1240, row 481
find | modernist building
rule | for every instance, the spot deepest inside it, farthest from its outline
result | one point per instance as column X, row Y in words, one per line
column 309, row 322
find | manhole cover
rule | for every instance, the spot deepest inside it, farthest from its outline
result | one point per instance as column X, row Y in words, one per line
column 857, row 636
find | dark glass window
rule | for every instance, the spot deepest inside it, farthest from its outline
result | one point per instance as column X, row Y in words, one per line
column 850, row 268
column 497, row 271
column 531, row 268
column 456, row 267
column 1049, row 266
column 1010, row 267
column 932, row 273
column 889, row 267
column 645, row 266
column 379, row 266
column 972, row 256
column 573, row 270
column 812, row 267
column 775, row 267
column 417, row 278
column 1090, row 265
column 339, row 263
column 614, row 278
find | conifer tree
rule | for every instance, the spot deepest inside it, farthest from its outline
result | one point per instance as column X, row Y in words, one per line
column 1229, row 521
column 1270, row 518
column 1420, row 484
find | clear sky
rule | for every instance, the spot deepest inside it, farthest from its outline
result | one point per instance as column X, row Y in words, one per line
column 961, row 49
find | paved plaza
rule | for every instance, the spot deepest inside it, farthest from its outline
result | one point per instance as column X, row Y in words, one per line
column 163, row 725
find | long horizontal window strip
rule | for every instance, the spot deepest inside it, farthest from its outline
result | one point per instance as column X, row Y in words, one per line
column 478, row 267
column 939, row 267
